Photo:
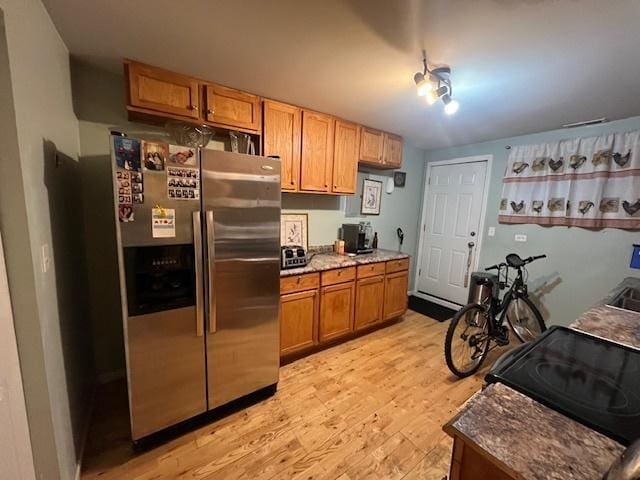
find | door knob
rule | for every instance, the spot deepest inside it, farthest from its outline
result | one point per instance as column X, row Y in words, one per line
column 473, row 234
column 471, row 244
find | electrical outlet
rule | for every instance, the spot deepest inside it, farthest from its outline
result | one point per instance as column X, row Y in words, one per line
column 491, row 232
column 46, row 258
column 520, row 237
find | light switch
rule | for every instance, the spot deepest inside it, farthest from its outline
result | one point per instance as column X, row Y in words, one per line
column 491, row 232
column 520, row 237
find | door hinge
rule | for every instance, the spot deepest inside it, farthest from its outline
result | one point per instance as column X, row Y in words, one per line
column 419, row 271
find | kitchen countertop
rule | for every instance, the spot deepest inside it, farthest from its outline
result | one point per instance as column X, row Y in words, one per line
column 328, row 261
column 612, row 323
column 531, row 441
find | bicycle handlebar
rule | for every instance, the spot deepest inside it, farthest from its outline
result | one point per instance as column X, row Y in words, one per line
column 498, row 266
column 534, row 258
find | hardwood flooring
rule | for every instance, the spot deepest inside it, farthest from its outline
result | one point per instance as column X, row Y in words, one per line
column 369, row 408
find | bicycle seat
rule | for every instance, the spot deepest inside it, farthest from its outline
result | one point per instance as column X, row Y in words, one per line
column 514, row 260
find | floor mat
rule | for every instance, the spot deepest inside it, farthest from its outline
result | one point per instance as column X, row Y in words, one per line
column 430, row 309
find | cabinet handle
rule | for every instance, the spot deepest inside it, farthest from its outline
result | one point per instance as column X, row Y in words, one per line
column 299, row 279
column 193, row 107
column 210, row 111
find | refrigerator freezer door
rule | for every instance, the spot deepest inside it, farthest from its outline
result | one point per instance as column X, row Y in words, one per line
column 166, row 370
column 241, row 204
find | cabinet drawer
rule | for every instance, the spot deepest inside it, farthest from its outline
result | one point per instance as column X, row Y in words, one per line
column 397, row 265
column 371, row 270
column 298, row 283
column 338, row 276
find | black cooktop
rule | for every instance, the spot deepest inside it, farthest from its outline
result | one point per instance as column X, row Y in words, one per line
column 593, row 381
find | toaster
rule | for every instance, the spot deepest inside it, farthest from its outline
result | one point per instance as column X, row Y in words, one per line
column 292, row 256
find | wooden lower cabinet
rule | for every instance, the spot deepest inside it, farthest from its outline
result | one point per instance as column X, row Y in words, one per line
column 469, row 464
column 298, row 321
column 319, row 308
column 395, row 294
column 336, row 311
column 369, row 301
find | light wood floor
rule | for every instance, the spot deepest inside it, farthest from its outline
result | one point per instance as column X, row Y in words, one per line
column 370, row 408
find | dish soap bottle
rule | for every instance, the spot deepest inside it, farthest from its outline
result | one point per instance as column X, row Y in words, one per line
column 375, row 240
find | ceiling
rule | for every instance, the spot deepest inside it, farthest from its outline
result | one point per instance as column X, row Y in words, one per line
column 519, row 66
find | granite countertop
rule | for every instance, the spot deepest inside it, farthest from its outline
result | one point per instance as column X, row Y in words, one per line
column 329, row 260
column 530, row 441
column 611, row 323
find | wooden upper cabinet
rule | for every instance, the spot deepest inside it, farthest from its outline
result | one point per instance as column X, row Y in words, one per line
column 392, row 156
column 316, row 160
column 281, row 137
column 345, row 157
column 232, row 108
column 163, row 91
column 371, row 146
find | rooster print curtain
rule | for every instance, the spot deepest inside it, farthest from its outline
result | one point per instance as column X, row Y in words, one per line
column 586, row 182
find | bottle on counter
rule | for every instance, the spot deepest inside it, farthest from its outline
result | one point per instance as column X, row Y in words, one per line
column 374, row 244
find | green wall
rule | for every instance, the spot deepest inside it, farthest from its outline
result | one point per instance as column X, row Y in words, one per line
column 401, row 208
column 582, row 264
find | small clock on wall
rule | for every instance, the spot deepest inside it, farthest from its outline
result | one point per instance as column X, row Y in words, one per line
column 399, row 178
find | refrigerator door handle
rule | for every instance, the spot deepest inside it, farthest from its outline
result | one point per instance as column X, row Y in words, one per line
column 211, row 267
column 197, row 247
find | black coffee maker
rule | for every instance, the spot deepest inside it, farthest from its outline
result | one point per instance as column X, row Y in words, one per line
column 357, row 237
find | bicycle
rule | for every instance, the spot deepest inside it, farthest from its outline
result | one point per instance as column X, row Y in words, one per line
column 475, row 326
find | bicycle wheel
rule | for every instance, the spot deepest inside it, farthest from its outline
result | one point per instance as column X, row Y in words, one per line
column 524, row 319
column 467, row 342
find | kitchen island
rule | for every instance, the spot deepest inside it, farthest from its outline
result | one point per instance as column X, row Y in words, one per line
column 502, row 434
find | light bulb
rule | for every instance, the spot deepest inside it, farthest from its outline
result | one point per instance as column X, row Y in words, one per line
column 451, row 107
column 422, row 84
column 431, row 97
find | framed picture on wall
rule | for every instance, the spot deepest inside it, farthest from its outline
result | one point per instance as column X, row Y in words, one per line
column 294, row 229
column 371, row 195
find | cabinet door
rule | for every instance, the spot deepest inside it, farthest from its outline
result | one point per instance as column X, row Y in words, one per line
column 298, row 321
column 371, row 143
column 281, row 137
column 163, row 91
column 233, row 108
column 369, row 301
column 345, row 157
column 317, row 152
column 392, row 151
column 336, row 310
column 395, row 294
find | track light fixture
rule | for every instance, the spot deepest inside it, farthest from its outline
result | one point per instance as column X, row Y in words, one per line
column 435, row 83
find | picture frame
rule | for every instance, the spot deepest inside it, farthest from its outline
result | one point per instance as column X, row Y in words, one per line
column 371, row 197
column 294, row 229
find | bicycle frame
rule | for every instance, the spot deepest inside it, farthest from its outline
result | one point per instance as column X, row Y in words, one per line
column 498, row 307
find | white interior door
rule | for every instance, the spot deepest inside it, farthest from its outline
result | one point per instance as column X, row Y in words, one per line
column 453, row 207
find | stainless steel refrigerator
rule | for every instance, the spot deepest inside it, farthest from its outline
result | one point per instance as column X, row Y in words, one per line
column 199, row 245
